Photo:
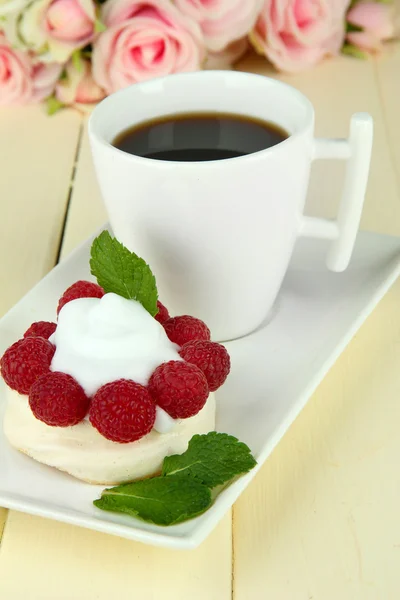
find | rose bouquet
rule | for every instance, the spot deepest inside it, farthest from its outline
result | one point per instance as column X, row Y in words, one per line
column 75, row 52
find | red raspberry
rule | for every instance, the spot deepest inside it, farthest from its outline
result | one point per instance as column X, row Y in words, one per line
column 122, row 411
column 58, row 400
column 162, row 314
column 80, row 289
column 25, row 361
column 213, row 359
column 185, row 329
column 179, row 388
column 42, row 329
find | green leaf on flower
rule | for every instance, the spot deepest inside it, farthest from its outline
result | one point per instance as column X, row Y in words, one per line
column 350, row 50
column 350, row 28
column 87, row 48
column 99, row 26
column 77, row 60
column 160, row 500
column 42, row 50
column 122, row 272
column 63, row 75
column 213, row 459
column 53, row 105
column 354, row 2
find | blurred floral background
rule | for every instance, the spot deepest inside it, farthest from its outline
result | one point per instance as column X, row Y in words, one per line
column 75, row 52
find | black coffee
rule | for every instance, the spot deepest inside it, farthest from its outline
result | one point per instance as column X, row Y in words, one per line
column 199, row 137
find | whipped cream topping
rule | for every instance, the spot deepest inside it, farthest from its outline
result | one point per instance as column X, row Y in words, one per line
column 99, row 340
column 164, row 423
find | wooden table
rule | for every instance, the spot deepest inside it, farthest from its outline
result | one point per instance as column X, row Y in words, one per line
column 321, row 520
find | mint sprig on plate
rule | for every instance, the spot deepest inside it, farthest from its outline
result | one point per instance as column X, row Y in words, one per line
column 122, row 272
column 161, row 500
column 183, row 491
column 212, row 459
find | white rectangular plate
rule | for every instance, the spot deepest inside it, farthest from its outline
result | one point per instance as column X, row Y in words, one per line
column 274, row 372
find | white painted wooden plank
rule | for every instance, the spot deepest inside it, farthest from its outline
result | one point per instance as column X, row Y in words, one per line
column 86, row 212
column 36, row 156
column 387, row 68
column 321, row 519
column 45, row 560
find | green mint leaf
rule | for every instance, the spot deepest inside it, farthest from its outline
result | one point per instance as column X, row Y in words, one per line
column 123, row 272
column 53, row 105
column 212, row 459
column 160, row 500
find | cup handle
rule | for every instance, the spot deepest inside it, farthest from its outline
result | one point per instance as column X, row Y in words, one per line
column 357, row 151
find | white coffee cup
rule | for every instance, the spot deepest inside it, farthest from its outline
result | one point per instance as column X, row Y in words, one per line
column 219, row 234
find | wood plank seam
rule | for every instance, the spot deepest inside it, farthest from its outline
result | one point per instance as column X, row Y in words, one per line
column 70, row 191
column 233, row 553
column 11, row 185
column 3, row 524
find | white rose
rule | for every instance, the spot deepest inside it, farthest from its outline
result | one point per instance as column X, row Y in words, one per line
column 51, row 28
column 11, row 6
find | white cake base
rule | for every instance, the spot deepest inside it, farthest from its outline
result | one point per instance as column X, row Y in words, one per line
column 82, row 452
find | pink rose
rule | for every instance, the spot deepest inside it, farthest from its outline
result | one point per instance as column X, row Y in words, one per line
column 78, row 86
column 226, row 58
column 52, row 28
column 144, row 40
column 297, row 34
column 377, row 24
column 68, row 21
column 22, row 78
column 222, row 21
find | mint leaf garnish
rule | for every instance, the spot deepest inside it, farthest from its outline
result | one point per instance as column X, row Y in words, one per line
column 161, row 500
column 123, row 272
column 212, row 459
column 184, row 489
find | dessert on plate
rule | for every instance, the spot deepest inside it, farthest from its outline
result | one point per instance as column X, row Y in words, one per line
column 116, row 384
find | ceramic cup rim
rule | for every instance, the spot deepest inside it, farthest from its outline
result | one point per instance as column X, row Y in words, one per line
column 120, row 98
